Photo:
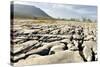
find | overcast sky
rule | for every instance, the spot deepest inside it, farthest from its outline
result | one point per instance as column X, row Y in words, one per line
column 65, row 10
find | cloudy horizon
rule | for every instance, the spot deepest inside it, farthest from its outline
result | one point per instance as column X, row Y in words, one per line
column 64, row 10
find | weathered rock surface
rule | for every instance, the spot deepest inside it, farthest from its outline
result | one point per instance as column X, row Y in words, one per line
column 48, row 44
column 60, row 57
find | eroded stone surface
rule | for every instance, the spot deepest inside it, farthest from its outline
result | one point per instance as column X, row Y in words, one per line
column 49, row 44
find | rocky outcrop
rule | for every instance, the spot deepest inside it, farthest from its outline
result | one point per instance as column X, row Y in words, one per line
column 60, row 57
column 53, row 44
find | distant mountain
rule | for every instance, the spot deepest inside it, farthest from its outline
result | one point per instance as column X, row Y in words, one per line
column 27, row 11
